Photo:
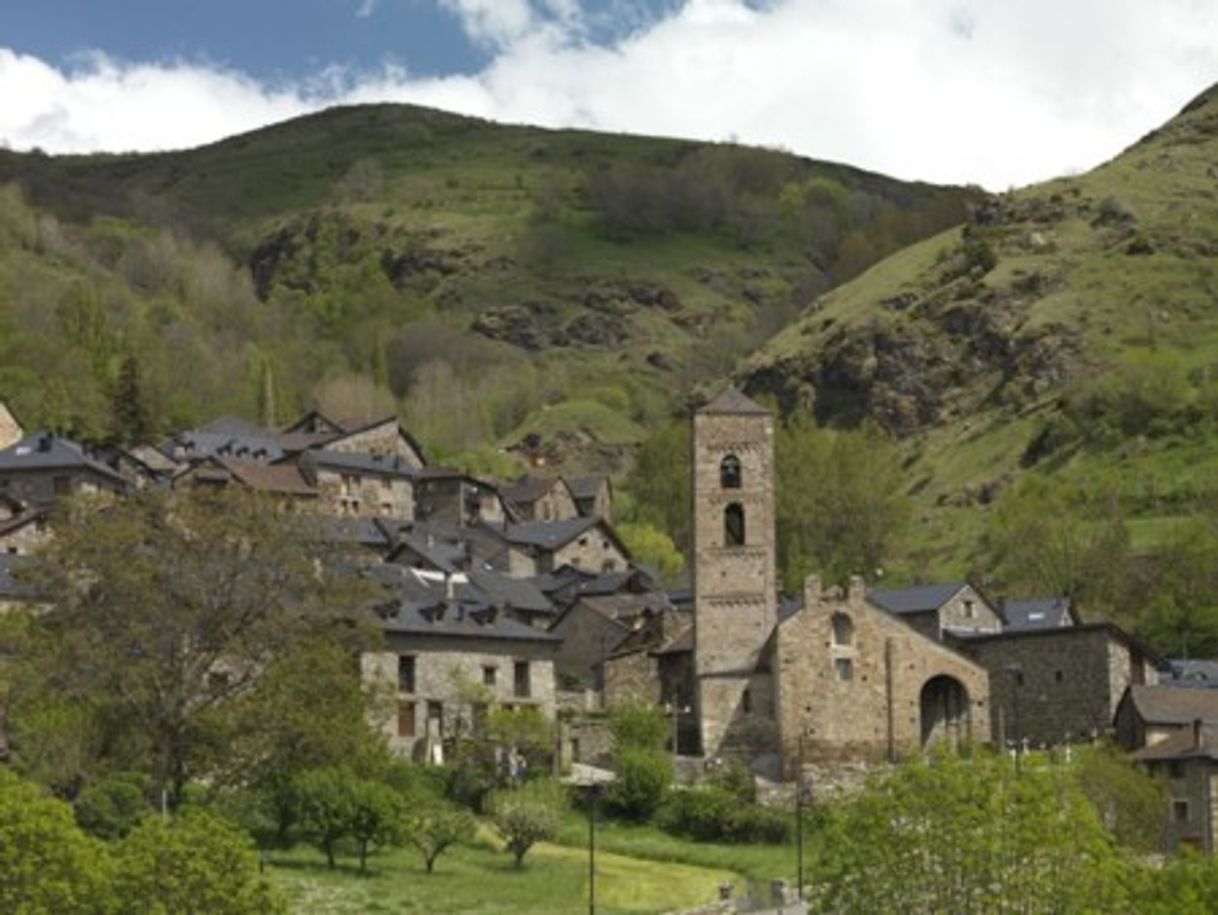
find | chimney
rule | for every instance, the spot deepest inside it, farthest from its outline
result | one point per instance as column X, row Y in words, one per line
column 811, row 591
column 44, row 442
column 858, row 589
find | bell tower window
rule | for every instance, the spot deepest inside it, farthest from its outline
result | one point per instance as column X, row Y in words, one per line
column 733, row 525
column 729, row 472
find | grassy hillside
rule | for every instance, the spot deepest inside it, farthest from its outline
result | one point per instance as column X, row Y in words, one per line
column 1069, row 330
column 492, row 282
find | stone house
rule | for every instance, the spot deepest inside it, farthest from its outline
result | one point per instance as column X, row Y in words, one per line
column 10, row 429
column 360, row 485
column 537, row 498
column 384, row 438
column 540, row 547
column 1186, row 763
column 593, row 496
column 446, row 660
column 1150, row 714
column 43, row 467
column 594, row 626
column 281, row 481
column 14, row 592
column 453, row 497
column 1054, row 685
column 1190, row 672
column 1038, row 613
column 935, row 610
column 858, row 683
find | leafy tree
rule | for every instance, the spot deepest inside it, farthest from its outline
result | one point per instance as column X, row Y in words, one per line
column 195, row 863
column 168, row 606
column 527, row 815
column 1128, row 801
column 47, row 865
column 967, row 835
column 326, row 799
column 660, row 483
column 434, row 828
column 376, row 817
column 652, row 548
column 112, row 806
column 308, row 710
column 1182, row 616
column 638, row 726
column 643, row 779
column 840, row 503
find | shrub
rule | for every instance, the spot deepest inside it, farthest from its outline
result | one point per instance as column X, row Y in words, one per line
column 196, row 863
column 46, row 863
column 113, row 806
column 432, row 828
column 335, row 804
column 641, row 726
column 643, row 777
column 714, row 814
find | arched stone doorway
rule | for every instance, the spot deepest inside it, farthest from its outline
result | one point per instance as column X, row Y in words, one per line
column 945, row 711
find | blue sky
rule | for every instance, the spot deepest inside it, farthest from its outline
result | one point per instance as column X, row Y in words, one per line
column 996, row 92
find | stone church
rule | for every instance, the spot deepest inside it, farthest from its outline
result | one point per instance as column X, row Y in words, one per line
column 831, row 678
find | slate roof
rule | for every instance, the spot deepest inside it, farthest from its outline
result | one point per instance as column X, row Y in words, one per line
column 46, row 451
column 421, row 605
column 1174, row 704
column 1194, row 674
column 1181, row 745
column 389, row 465
column 585, row 487
column 915, row 599
column 732, row 401
column 549, row 535
column 528, row 489
column 280, row 479
column 1037, row 613
column 682, row 642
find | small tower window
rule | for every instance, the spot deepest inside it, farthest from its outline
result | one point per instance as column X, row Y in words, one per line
column 729, row 472
column 843, row 629
column 733, row 525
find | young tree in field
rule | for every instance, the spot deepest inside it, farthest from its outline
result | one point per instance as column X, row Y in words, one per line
column 527, row 815
column 435, row 827
column 166, row 607
column 335, row 804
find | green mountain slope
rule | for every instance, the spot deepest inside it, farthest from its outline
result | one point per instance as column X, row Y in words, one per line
column 1069, row 330
column 495, row 283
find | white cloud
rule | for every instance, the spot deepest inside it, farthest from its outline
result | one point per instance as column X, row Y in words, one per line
column 945, row 90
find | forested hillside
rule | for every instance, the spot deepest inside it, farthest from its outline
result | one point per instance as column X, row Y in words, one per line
column 492, row 283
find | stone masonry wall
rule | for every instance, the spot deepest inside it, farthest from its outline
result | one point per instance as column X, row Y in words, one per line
column 382, row 439
column 593, row 551
column 860, row 697
column 364, row 496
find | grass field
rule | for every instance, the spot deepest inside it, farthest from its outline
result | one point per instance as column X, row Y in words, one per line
column 481, row 879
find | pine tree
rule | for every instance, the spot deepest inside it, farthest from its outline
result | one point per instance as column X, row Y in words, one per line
column 130, row 415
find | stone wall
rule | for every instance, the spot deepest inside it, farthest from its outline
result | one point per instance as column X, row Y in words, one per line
column 968, row 611
column 593, row 551
column 367, row 496
column 1191, row 806
column 26, row 538
column 10, row 430
column 1055, row 685
column 735, row 586
column 587, row 638
column 860, row 685
column 445, row 669
column 556, row 505
column 40, row 488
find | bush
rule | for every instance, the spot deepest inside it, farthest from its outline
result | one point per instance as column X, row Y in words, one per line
column 46, row 863
column 643, row 777
column 716, row 815
column 432, row 828
column 639, row 726
column 336, row 804
column 113, row 806
column 196, row 863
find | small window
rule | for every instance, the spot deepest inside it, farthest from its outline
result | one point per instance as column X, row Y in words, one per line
column 729, row 472
column 489, row 674
column 746, row 701
column 845, row 669
column 63, row 486
column 435, row 710
column 1175, row 769
column 733, row 525
column 970, row 610
column 1057, row 675
column 406, row 673
column 609, row 565
column 1179, row 811
column 583, row 541
column 520, row 672
column 406, row 719
column 1019, row 678
column 843, row 629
